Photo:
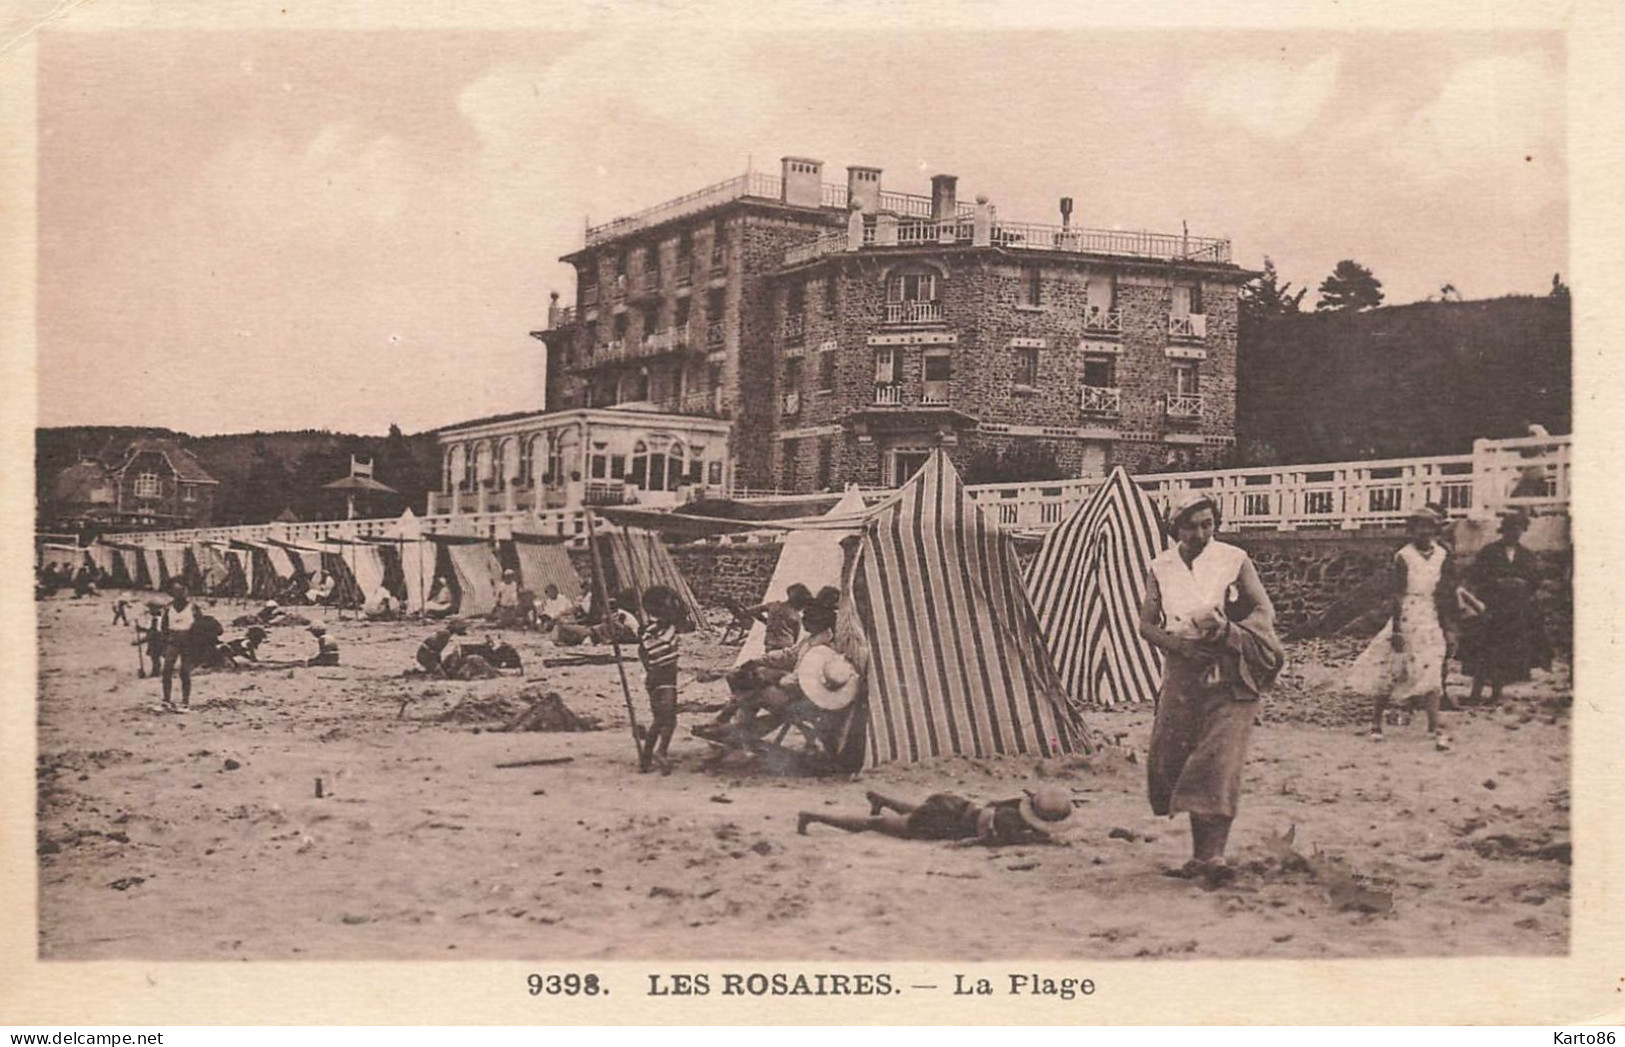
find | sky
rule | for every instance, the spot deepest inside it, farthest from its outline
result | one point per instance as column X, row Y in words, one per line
column 344, row 230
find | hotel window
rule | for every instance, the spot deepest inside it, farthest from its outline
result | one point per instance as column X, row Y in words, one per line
column 939, row 374
column 792, row 374
column 1027, row 367
column 681, row 318
column 826, row 372
column 1100, row 371
column 1187, row 379
column 685, row 247
column 912, row 287
column 829, row 295
column 789, row 451
column 617, row 467
column 885, row 365
column 651, row 263
column 826, row 460
column 499, row 465
column 1032, row 285
column 795, row 300
column 620, row 327
column 147, row 485
column 188, row 492
column 1187, row 300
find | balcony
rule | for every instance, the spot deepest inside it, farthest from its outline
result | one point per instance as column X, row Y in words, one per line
column 913, row 313
column 685, row 272
column 888, row 394
column 1187, row 406
column 560, row 317
column 715, row 334
column 1103, row 399
column 707, row 403
column 917, row 228
column 589, row 296
column 1193, row 325
column 719, row 262
column 793, row 327
column 649, row 283
column 605, row 492
column 935, row 394
column 618, row 288
column 1102, row 321
column 792, row 403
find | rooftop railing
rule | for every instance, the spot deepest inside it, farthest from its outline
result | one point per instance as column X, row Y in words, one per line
column 1018, row 236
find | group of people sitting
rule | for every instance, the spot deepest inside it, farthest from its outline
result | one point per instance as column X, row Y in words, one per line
column 52, row 578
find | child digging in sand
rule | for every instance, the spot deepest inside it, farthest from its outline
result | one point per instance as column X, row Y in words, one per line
column 657, row 649
column 1039, row 816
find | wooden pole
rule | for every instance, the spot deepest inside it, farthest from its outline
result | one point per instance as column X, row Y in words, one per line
column 614, row 642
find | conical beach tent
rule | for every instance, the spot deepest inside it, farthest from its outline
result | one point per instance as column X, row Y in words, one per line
column 475, row 572
column 812, row 557
column 637, row 558
column 1086, row 585
column 956, row 661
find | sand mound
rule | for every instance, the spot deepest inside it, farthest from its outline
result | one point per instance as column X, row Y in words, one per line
column 547, row 712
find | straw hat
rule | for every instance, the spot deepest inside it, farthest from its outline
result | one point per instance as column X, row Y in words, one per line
column 1048, row 809
column 827, row 679
column 271, row 605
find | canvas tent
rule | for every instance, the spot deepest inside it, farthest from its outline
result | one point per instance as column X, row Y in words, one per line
column 957, row 664
column 1087, row 583
column 544, row 561
column 61, row 557
column 636, row 558
column 475, row 572
column 811, row 556
column 211, row 566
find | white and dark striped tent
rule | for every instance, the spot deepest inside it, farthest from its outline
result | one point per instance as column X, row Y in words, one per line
column 957, row 665
column 1086, row 584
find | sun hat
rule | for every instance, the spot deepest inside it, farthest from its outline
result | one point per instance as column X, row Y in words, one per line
column 1189, row 501
column 1048, row 809
column 827, row 679
column 270, row 605
column 1426, row 514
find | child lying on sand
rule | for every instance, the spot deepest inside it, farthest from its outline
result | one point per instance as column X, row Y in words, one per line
column 1038, row 817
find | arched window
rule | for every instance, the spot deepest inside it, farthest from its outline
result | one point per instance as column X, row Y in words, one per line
column 501, row 455
column 676, row 465
column 465, row 466
column 450, row 468
column 482, row 463
column 639, row 475
column 567, row 452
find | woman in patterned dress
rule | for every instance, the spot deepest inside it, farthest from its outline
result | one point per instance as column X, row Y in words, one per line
column 1423, row 600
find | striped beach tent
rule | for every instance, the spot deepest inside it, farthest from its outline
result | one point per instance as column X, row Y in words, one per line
column 1086, row 584
column 636, row 558
column 956, row 662
column 544, row 560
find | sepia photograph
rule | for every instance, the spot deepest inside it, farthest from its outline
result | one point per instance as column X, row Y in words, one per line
column 802, row 499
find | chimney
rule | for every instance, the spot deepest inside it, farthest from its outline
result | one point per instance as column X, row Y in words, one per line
column 944, row 204
column 801, row 181
column 863, row 186
column 1066, row 212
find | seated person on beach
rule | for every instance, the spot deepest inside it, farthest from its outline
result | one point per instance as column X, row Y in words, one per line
column 439, row 603
column 327, row 648
column 295, row 589
column 555, row 608
column 1040, row 816
column 321, row 590
column 782, row 617
column 622, row 624
column 768, row 683
column 84, row 583
column 381, row 606
column 244, row 648
column 433, row 651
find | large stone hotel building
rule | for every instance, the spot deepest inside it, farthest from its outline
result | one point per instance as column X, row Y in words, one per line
column 804, row 335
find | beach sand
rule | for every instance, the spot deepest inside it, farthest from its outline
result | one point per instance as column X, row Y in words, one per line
column 200, row 837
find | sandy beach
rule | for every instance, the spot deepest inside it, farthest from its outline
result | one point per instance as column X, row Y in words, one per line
column 201, row 837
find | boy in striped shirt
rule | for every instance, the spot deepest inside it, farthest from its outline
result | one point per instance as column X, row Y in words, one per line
column 657, row 649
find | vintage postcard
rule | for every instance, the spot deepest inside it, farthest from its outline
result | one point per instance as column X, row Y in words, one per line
column 864, row 514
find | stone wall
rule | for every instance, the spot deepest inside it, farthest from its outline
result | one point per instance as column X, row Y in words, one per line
column 715, row 572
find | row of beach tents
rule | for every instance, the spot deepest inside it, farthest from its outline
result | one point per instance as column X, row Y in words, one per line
column 967, row 652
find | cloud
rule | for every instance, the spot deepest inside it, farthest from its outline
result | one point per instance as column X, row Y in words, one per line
column 1495, row 120
column 1272, row 97
column 339, row 183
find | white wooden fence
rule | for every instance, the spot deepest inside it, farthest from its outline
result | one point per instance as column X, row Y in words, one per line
column 1529, row 473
